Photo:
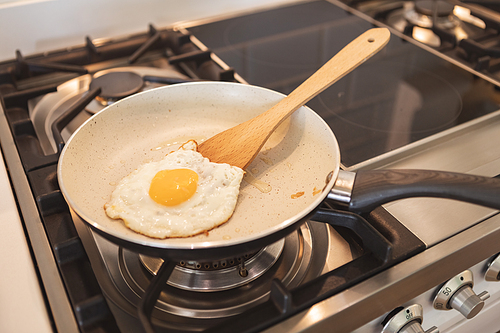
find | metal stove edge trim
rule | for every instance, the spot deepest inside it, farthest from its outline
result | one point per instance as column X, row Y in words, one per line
column 195, row 22
column 416, row 147
column 389, row 289
column 46, row 266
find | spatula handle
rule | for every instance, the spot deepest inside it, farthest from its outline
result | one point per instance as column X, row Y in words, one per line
column 350, row 57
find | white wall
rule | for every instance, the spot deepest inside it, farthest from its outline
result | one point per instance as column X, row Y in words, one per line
column 34, row 26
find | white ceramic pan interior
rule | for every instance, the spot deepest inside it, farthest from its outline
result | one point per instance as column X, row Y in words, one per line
column 297, row 158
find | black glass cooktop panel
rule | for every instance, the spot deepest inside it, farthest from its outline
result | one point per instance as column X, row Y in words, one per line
column 401, row 95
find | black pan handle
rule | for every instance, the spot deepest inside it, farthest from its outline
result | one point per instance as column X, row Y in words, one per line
column 372, row 188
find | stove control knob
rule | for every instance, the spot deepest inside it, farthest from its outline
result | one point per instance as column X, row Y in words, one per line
column 406, row 320
column 457, row 294
column 493, row 270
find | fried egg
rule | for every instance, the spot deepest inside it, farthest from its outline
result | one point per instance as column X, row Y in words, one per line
column 182, row 195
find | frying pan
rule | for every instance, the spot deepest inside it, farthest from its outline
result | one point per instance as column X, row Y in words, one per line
column 302, row 155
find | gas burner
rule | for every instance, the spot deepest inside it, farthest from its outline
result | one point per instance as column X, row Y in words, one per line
column 116, row 85
column 430, row 21
column 218, row 275
column 427, row 13
column 226, row 287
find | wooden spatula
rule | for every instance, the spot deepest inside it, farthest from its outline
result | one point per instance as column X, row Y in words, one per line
column 239, row 145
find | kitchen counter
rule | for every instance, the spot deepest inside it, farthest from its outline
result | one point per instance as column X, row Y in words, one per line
column 22, row 305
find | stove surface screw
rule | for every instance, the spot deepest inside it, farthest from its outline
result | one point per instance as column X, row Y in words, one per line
column 243, row 270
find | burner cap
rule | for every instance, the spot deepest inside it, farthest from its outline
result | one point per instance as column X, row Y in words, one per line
column 426, row 7
column 219, row 275
column 116, row 85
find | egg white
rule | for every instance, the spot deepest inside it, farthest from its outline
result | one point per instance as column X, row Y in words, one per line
column 211, row 205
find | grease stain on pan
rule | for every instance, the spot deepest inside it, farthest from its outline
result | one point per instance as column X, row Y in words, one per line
column 266, row 160
column 316, row 191
column 174, row 144
column 297, row 195
column 260, row 185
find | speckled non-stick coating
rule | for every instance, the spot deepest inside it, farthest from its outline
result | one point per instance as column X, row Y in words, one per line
column 297, row 158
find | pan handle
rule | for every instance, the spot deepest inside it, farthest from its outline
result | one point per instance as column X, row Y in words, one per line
column 372, row 188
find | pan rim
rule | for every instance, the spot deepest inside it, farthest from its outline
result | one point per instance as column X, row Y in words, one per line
column 163, row 244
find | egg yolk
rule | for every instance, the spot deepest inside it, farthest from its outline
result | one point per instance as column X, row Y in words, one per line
column 173, row 187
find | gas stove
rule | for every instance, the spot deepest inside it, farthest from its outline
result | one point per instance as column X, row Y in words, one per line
column 419, row 103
